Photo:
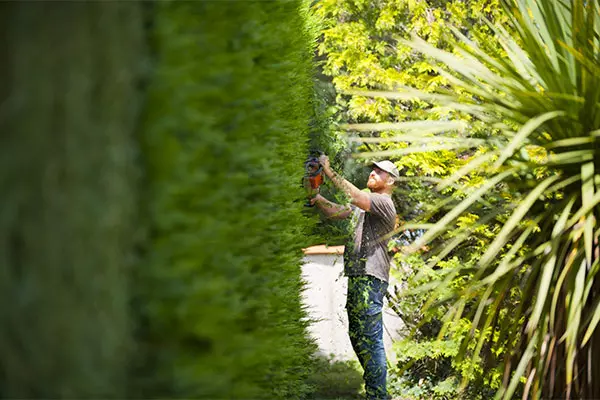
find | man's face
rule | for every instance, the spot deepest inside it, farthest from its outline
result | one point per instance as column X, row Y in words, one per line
column 378, row 179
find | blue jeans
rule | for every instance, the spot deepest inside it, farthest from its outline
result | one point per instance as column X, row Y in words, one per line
column 365, row 317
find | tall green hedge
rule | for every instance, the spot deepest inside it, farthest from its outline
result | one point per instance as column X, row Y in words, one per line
column 225, row 138
column 69, row 105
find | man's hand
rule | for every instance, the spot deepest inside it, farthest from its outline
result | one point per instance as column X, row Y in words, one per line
column 313, row 200
column 324, row 161
column 359, row 198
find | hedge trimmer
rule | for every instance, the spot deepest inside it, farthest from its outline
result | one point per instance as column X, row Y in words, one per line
column 313, row 176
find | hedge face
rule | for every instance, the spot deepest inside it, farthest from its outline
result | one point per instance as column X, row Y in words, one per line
column 225, row 139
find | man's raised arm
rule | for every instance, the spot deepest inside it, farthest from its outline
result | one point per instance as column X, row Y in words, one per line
column 358, row 197
column 331, row 209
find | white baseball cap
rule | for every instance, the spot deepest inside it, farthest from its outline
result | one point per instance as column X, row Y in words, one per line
column 389, row 167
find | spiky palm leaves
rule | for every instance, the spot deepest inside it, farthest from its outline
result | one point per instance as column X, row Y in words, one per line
column 542, row 103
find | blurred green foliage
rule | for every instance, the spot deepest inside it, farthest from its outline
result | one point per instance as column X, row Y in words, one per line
column 225, row 136
column 69, row 103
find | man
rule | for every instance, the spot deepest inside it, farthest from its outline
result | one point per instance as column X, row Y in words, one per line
column 367, row 264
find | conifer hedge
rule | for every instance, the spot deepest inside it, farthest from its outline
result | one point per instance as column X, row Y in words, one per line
column 225, row 138
column 69, row 104
column 215, row 288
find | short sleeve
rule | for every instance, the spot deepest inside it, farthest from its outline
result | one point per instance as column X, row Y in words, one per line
column 383, row 207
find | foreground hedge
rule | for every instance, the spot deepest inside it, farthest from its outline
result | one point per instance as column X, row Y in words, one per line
column 69, row 102
column 225, row 138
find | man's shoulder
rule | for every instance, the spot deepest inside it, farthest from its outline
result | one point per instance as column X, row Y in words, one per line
column 384, row 199
column 382, row 206
column 380, row 195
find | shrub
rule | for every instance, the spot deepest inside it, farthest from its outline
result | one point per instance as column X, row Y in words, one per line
column 225, row 138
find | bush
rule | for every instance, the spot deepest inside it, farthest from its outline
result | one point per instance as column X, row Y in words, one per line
column 225, row 138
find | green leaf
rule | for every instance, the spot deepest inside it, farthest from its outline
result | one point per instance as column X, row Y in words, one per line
column 516, row 217
column 459, row 209
column 523, row 133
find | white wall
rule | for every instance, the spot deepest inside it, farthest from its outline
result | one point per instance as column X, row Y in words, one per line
column 325, row 299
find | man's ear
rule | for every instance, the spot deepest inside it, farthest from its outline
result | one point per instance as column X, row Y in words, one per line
column 391, row 181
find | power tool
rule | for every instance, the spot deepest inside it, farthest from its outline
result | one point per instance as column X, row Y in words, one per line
column 313, row 176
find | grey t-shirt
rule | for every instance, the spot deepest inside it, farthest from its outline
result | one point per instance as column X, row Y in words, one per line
column 366, row 253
